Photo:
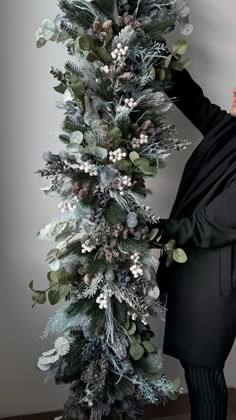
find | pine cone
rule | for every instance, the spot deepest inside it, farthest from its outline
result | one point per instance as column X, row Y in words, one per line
column 107, row 26
column 128, row 19
column 97, row 25
column 127, row 76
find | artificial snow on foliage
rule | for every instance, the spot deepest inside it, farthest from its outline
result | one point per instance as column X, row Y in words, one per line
column 115, row 134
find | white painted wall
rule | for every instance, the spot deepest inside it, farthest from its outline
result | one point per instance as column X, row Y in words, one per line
column 28, row 115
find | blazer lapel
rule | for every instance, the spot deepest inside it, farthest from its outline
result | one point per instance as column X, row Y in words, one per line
column 209, row 161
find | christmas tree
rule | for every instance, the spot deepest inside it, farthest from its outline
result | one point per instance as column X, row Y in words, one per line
column 115, row 134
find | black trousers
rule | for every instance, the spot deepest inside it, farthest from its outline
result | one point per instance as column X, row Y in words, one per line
column 208, row 393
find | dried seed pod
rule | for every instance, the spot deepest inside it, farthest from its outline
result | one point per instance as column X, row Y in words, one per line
column 128, row 19
column 120, row 21
column 107, row 25
column 102, row 36
column 146, row 125
column 97, row 25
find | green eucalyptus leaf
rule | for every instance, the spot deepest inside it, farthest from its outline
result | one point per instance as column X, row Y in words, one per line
column 61, row 276
column 63, row 236
column 179, row 255
column 64, row 291
column 52, row 277
column 113, row 133
column 66, row 278
column 84, row 42
column 75, row 78
column 175, row 384
column 123, row 165
column 68, row 95
column 39, row 297
column 127, row 323
column 153, row 234
column 91, row 56
column 186, row 63
column 152, row 73
column 46, row 30
column 62, row 36
column 76, row 137
column 137, row 337
column 168, row 75
column 73, row 147
column 51, row 254
column 41, row 42
column 77, row 88
column 50, row 191
column 148, row 170
column 161, row 74
column 168, row 60
column 60, row 88
column 132, row 328
column 54, row 296
column 64, row 138
column 54, row 264
column 80, row 30
column 136, row 351
column 101, row 152
column 103, row 54
column 158, row 238
column 52, row 230
column 141, row 162
column 177, row 65
column 133, row 156
column 31, row 285
column 180, row 46
column 171, row 244
column 148, row 346
column 173, row 396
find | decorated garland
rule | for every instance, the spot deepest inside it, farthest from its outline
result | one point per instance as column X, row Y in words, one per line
column 102, row 270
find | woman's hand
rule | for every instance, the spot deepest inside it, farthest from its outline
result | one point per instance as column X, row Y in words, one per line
column 233, row 108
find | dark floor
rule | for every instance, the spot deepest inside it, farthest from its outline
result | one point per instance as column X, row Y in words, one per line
column 231, row 416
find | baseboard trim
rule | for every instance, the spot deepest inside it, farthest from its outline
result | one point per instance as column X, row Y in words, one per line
column 232, row 399
column 151, row 411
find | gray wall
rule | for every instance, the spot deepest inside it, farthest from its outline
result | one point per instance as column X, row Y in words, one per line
column 28, row 115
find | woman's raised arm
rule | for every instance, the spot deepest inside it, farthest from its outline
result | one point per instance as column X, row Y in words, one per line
column 193, row 103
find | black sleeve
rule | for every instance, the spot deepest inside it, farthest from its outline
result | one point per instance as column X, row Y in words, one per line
column 192, row 102
column 211, row 227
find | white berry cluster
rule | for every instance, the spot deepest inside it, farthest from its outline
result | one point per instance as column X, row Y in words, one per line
column 133, row 315
column 122, row 182
column 117, row 155
column 130, row 102
column 89, row 168
column 66, row 206
column 144, row 321
column 105, row 69
column 102, row 299
column 135, row 143
column 136, row 268
column 119, row 52
column 87, row 398
column 87, row 246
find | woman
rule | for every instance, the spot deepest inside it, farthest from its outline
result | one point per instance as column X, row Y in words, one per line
column 200, row 294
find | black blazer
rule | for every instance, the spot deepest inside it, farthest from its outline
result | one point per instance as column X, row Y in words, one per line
column 214, row 224
column 201, row 293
